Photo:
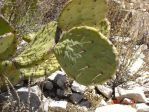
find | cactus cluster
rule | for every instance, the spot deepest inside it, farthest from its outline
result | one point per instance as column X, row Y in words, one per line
column 83, row 51
column 37, row 57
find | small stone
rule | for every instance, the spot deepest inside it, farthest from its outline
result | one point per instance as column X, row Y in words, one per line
column 48, row 85
column 76, row 98
column 61, row 81
column 85, row 103
column 53, row 75
column 61, row 104
column 60, row 92
column 102, row 103
column 107, row 92
column 78, row 87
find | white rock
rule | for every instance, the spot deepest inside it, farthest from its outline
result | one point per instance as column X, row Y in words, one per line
column 115, row 108
column 44, row 107
column 61, row 104
column 142, row 107
column 35, row 89
column 136, row 94
column 105, row 91
column 138, row 63
column 78, row 87
column 103, row 103
column 53, row 75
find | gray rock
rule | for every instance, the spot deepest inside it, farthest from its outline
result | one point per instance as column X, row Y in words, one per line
column 48, row 85
column 85, row 103
column 76, row 98
column 60, row 92
column 61, row 81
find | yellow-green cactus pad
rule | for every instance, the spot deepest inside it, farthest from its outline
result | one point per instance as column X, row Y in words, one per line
column 86, row 55
column 39, row 47
column 29, row 37
column 8, row 44
column 4, row 26
column 44, row 68
column 8, row 69
column 82, row 12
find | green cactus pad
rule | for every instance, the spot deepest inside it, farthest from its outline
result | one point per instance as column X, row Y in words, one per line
column 46, row 67
column 8, row 44
column 82, row 12
column 4, row 26
column 39, row 47
column 86, row 55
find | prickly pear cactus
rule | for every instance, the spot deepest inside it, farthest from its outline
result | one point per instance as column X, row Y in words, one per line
column 39, row 47
column 82, row 12
column 29, row 37
column 91, row 60
column 44, row 68
column 8, row 69
column 7, row 40
column 4, row 26
column 8, row 44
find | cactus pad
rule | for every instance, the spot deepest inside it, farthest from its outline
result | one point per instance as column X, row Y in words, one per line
column 7, row 45
column 8, row 69
column 39, row 47
column 82, row 12
column 86, row 55
column 50, row 65
column 4, row 26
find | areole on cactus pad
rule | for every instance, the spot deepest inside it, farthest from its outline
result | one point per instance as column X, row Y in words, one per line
column 86, row 55
column 82, row 12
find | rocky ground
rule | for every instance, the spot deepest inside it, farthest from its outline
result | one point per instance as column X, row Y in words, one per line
column 58, row 93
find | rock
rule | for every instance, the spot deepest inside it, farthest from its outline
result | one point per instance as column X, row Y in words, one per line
column 102, row 103
column 85, row 103
column 61, row 81
column 78, row 87
column 53, row 75
column 44, row 107
column 48, row 85
column 142, row 107
column 34, row 99
column 61, row 104
column 60, row 92
column 115, row 108
column 35, row 94
column 107, row 92
column 135, row 94
column 76, row 98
